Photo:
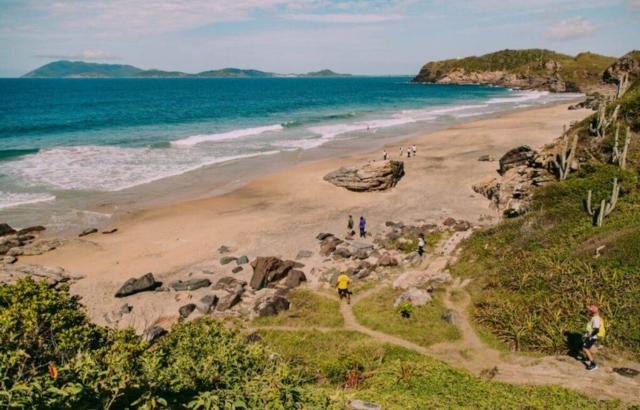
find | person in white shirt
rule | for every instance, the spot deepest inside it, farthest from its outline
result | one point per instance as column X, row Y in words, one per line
column 414, row 149
column 421, row 244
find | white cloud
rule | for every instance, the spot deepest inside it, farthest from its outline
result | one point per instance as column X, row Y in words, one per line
column 574, row 27
column 90, row 55
column 344, row 18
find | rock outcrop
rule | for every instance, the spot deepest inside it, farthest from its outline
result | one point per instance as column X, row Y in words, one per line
column 269, row 270
column 417, row 297
column 135, row 285
column 9, row 274
column 373, row 176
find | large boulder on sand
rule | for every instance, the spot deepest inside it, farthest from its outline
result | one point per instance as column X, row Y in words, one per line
column 269, row 269
column 372, row 176
column 135, row 285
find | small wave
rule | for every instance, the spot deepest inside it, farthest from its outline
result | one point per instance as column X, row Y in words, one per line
column 317, row 119
column 197, row 139
column 6, row 154
column 519, row 97
column 328, row 132
column 11, row 199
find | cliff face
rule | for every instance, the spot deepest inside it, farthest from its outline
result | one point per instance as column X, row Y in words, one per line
column 525, row 69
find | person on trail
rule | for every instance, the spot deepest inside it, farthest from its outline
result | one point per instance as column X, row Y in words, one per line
column 401, row 151
column 595, row 330
column 414, row 149
column 385, row 155
column 421, row 244
column 343, row 287
column 363, row 227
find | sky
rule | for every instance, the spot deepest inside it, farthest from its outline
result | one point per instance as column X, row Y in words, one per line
column 293, row 36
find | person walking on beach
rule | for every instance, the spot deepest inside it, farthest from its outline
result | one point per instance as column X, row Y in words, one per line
column 343, row 287
column 363, row 227
column 385, row 155
column 350, row 225
column 595, row 330
column 401, row 152
column 414, row 149
column 421, row 244
column 408, row 152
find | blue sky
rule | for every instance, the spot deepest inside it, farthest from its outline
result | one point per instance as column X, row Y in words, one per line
column 362, row 37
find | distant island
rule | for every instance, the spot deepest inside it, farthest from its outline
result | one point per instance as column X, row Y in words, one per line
column 536, row 69
column 81, row 69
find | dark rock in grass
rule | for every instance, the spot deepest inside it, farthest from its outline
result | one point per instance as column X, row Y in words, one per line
column 186, row 310
column 304, row 254
column 237, row 269
column 135, row 285
column 31, row 229
column 294, row 279
column 153, row 333
column 267, row 270
column 626, row 371
column 227, row 259
column 363, row 405
column 87, row 231
column 342, row 253
column 242, row 260
column 5, row 229
column 253, row 337
column 271, row 305
column 450, row 316
column 190, row 284
column 461, row 226
column 206, row 303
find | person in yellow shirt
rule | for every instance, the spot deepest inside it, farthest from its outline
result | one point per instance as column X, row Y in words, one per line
column 343, row 287
column 595, row 330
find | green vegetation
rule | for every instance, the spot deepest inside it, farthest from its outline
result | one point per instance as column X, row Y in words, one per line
column 81, row 69
column 424, row 326
column 308, row 309
column 52, row 357
column 350, row 365
column 535, row 274
column 585, row 69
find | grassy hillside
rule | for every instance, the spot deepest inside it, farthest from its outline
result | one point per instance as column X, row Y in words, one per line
column 580, row 71
column 534, row 275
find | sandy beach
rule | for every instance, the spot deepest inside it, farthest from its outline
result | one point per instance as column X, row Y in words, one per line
column 280, row 214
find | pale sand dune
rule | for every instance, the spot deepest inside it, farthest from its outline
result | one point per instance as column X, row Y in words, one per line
column 281, row 214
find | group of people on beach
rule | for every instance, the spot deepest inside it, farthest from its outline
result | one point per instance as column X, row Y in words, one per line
column 362, row 225
column 412, row 150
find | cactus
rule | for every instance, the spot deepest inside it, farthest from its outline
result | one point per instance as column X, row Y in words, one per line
column 620, row 156
column 565, row 158
column 606, row 207
column 623, row 84
column 602, row 122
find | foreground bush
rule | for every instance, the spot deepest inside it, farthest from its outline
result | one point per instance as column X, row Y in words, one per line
column 52, row 357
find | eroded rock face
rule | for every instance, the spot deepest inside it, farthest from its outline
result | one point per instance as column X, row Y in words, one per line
column 626, row 64
column 373, row 176
column 268, row 270
column 5, row 229
column 135, row 285
column 515, row 157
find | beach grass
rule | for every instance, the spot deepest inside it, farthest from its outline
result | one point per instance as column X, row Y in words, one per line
column 308, row 309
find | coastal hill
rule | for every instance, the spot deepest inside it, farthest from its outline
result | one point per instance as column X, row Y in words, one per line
column 527, row 69
column 81, row 69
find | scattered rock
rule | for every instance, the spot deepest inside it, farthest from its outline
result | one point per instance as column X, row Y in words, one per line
column 361, row 254
column 294, row 279
column 31, row 229
column 329, row 245
column 229, row 284
column 230, row 300
column 206, row 303
column 237, row 269
column 449, row 222
column 87, row 231
column 304, row 254
column 110, row 231
column 363, row 405
column 134, row 285
column 461, row 226
column 9, row 274
column 387, row 260
column 5, row 229
column 190, row 284
column 227, row 259
column 153, row 333
column 270, row 305
column 417, row 297
column 224, row 249
column 186, row 310
column 9, row 259
column 372, row 176
column 362, row 246
column 342, row 253
column 518, row 156
column 242, row 260
column 486, row 158
column 41, row 246
column 440, row 278
column 450, row 316
column 116, row 315
column 268, row 270
column 322, row 236
column 626, row 372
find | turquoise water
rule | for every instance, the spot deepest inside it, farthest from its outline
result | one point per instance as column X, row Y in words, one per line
column 60, row 136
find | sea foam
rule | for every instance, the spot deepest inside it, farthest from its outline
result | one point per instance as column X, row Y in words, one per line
column 11, row 199
column 230, row 135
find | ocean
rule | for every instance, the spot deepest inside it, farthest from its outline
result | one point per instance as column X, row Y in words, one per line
column 75, row 151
